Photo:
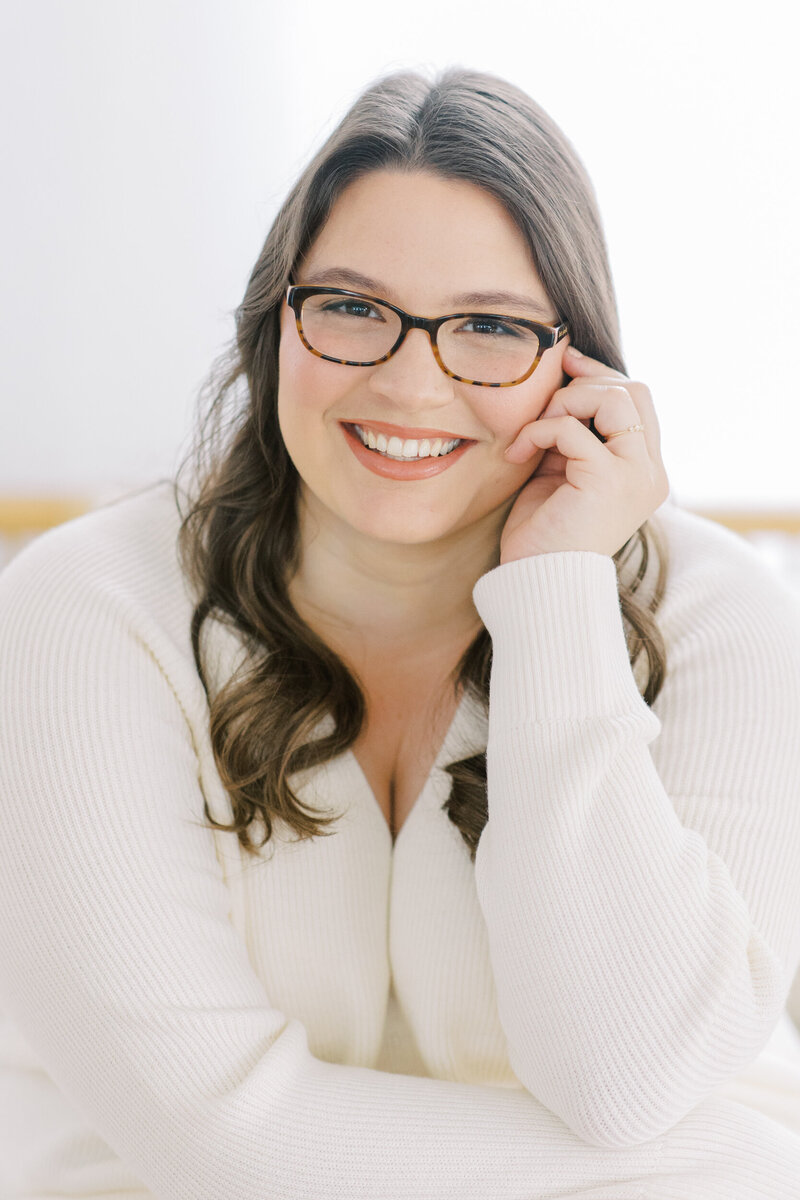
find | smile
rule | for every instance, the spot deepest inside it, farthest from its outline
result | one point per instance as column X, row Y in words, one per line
column 418, row 459
column 410, row 449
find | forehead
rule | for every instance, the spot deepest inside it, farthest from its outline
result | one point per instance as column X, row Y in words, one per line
column 426, row 239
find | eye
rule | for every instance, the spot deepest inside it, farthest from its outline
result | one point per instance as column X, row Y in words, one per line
column 349, row 306
column 491, row 327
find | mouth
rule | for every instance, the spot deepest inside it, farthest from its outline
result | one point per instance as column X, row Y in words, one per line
column 421, row 459
column 405, row 449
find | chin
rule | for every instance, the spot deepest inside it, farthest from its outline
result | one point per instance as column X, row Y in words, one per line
column 401, row 534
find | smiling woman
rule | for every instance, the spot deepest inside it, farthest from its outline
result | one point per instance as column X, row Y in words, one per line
column 425, row 240
column 402, row 801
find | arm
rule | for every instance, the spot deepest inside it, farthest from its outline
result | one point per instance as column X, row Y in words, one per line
column 119, row 964
column 643, row 908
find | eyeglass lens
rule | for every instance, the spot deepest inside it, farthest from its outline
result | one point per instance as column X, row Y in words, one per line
column 481, row 348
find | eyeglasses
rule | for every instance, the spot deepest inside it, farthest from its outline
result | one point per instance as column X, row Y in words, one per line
column 486, row 349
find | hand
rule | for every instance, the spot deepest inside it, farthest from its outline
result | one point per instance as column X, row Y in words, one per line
column 586, row 494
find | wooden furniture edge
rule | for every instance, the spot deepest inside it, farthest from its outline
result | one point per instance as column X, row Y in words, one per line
column 21, row 515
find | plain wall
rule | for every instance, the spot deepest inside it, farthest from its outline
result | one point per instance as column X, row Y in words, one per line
column 146, row 147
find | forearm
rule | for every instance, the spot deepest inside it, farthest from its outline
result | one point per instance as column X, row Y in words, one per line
column 632, row 975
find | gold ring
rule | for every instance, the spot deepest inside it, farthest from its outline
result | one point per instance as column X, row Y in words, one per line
column 630, row 429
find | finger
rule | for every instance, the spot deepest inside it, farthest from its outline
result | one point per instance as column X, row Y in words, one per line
column 556, row 406
column 642, row 413
column 577, row 364
column 647, row 417
column 584, row 398
column 604, row 409
column 639, row 394
column 611, row 408
column 552, row 463
column 565, row 434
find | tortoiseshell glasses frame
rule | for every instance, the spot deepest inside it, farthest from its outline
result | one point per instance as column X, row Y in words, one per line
column 547, row 335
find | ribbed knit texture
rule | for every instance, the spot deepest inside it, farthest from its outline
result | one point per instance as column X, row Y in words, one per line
column 594, row 1010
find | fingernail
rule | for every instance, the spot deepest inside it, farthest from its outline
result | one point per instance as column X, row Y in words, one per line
column 574, row 351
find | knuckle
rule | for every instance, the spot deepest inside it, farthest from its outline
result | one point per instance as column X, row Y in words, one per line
column 640, row 391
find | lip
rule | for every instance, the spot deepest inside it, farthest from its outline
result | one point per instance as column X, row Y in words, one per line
column 403, row 432
column 389, row 469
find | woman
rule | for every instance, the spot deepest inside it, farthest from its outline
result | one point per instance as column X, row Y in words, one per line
column 275, row 923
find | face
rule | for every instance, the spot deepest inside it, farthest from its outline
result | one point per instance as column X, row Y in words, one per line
column 423, row 243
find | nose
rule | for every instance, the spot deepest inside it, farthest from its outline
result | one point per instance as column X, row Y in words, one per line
column 412, row 378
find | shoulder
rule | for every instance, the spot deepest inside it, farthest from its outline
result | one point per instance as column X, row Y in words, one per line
column 725, row 612
column 714, row 574
column 114, row 570
column 128, row 546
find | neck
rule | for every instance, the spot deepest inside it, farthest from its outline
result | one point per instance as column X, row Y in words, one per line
column 363, row 590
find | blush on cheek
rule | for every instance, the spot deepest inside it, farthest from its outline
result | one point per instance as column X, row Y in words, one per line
column 300, row 389
column 291, row 353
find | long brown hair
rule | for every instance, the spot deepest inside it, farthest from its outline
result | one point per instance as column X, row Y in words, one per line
column 239, row 538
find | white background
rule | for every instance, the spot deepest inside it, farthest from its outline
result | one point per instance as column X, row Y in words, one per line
column 146, row 147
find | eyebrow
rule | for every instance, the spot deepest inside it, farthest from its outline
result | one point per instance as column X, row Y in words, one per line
column 344, row 277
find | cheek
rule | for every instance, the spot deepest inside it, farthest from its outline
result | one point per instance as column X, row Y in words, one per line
column 306, row 382
column 293, row 390
column 506, row 416
column 547, row 379
column 301, row 382
column 516, row 475
column 291, row 356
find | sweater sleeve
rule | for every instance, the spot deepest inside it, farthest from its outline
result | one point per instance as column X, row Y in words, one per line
column 122, row 969
column 639, row 872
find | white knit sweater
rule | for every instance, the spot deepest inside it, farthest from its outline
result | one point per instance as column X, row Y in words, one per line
column 601, row 996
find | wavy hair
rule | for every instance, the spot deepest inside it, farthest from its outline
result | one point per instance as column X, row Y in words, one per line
column 239, row 541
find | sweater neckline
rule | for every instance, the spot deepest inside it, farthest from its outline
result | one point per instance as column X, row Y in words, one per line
column 465, row 735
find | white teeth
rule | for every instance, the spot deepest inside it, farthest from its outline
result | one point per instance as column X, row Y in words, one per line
column 408, row 449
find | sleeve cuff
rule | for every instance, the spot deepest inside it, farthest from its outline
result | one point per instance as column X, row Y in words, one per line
column 558, row 640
